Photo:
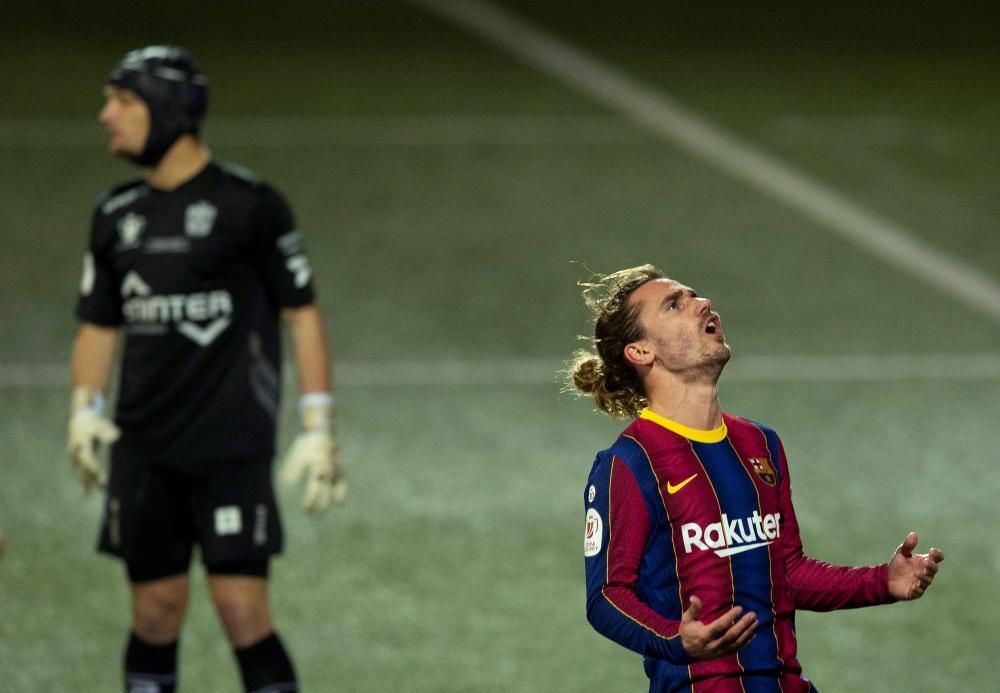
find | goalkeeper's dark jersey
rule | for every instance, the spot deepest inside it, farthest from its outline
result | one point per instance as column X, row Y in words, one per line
column 196, row 278
column 673, row 512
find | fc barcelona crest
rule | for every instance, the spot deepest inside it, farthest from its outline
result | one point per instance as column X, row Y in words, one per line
column 765, row 472
column 198, row 219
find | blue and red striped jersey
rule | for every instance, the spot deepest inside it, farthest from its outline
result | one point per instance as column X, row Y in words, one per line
column 673, row 512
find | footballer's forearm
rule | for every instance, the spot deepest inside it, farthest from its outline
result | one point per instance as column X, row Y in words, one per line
column 311, row 350
column 819, row 586
column 93, row 356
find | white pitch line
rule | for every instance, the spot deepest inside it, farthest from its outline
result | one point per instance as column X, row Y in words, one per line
column 351, row 131
column 867, row 131
column 673, row 122
column 547, row 372
column 457, row 130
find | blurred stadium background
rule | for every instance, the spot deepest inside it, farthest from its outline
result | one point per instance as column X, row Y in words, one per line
column 452, row 192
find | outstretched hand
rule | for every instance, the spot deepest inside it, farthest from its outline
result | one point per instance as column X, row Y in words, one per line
column 910, row 574
column 721, row 637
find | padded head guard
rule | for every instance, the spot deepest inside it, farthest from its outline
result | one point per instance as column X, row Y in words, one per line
column 170, row 83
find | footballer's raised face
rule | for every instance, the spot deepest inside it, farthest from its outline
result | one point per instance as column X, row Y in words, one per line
column 126, row 121
column 681, row 331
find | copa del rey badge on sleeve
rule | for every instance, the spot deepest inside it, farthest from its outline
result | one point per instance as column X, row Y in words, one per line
column 593, row 533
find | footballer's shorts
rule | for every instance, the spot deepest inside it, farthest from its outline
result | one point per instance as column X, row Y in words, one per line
column 155, row 514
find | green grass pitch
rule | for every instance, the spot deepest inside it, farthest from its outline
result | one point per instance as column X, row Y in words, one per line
column 451, row 196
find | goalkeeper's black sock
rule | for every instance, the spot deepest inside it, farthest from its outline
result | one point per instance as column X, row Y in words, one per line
column 265, row 664
column 150, row 667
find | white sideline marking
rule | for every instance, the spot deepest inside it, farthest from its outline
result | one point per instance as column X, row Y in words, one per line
column 693, row 133
column 546, row 372
column 351, row 131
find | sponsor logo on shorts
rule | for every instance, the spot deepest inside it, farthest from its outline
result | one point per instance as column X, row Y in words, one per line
column 260, row 525
column 228, row 520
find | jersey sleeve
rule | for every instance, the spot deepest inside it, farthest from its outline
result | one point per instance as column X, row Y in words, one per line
column 818, row 586
column 617, row 526
column 99, row 299
column 280, row 253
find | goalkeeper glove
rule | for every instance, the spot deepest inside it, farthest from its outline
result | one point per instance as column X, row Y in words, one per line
column 89, row 429
column 315, row 451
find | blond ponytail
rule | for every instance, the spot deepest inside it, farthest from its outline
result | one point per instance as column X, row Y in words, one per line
column 607, row 376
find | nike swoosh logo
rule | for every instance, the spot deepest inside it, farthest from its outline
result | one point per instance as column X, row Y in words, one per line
column 671, row 489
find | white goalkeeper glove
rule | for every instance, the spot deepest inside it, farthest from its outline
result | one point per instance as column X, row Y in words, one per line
column 89, row 430
column 315, row 451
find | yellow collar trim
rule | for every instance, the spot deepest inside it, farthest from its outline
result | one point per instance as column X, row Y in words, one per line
column 695, row 434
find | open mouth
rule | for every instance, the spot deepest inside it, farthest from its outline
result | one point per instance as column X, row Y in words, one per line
column 713, row 325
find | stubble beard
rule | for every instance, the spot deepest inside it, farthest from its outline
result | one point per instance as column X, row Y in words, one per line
column 709, row 366
column 715, row 361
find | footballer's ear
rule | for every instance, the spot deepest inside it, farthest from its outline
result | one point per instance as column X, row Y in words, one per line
column 639, row 353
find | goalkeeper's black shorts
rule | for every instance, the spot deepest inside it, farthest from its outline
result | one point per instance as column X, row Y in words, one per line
column 154, row 515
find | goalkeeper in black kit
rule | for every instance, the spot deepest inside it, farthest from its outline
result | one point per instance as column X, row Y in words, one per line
column 188, row 271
